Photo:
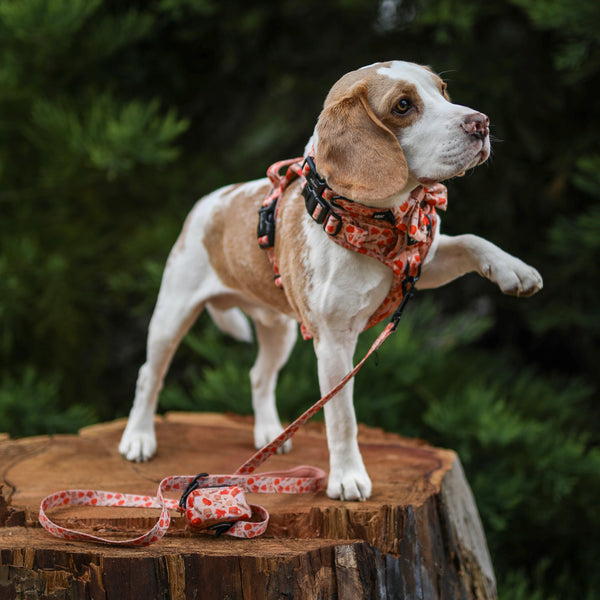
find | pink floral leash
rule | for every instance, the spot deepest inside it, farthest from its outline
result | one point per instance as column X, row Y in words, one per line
column 208, row 502
column 217, row 503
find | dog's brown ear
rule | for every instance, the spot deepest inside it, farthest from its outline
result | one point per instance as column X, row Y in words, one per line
column 357, row 154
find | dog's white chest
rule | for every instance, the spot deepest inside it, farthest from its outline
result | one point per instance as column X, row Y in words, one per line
column 345, row 288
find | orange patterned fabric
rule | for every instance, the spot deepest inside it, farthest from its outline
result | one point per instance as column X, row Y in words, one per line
column 399, row 238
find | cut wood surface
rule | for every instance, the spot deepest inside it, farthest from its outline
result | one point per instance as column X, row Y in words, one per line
column 418, row 536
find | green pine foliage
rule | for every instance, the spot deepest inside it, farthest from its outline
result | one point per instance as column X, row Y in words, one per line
column 115, row 117
column 109, row 136
column 76, row 141
column 29, row 403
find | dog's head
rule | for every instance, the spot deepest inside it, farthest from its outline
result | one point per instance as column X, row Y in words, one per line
column 388, row 127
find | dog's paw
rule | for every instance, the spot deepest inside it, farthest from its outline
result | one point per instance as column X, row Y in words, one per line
column 263, row 434
column 516, row 278
column 349, row 484
column 137, row 446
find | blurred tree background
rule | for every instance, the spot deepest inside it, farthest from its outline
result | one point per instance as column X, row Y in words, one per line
column 116, row 116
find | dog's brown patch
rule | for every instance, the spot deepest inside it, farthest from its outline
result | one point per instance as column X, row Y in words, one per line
column 358, row 155
column 290, row 246
column 236, row 256
column 385, row 102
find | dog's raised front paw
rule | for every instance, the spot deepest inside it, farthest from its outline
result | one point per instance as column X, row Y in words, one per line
column 515, row 278
column 263, row 434
column 349, row 484
column 137, row 446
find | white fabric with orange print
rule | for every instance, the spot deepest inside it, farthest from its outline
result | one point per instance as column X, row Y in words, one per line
column 209, row 502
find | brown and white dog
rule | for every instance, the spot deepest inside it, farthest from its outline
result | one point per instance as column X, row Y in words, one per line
column 384, row 130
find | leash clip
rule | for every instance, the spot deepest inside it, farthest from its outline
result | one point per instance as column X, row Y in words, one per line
column 408, row 291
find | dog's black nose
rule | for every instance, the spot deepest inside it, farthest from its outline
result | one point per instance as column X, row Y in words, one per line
column 476, row 125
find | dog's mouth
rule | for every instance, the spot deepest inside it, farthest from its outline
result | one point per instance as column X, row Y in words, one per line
column 481, row 155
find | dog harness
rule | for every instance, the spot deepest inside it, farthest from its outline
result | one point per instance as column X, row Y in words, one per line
column 399, row 237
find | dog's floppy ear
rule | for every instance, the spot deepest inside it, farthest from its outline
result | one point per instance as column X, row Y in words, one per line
column 357, row 154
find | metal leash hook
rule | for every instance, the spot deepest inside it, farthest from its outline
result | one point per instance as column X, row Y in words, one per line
column 407, row 294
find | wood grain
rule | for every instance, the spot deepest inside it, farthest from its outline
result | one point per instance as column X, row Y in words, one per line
column 418, row 536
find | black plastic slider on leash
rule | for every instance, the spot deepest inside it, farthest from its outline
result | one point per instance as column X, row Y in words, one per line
column 192, row 485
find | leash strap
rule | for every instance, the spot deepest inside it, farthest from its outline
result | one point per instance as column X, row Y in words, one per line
column 302, row 479
column 207, row 491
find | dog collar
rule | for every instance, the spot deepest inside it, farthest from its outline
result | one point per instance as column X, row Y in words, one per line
column 399, row 237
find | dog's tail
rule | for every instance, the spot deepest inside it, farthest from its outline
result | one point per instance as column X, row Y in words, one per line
column 231, row 321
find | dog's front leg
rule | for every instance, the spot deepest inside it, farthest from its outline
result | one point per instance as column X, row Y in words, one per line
column 348, row 479
column 462, row 254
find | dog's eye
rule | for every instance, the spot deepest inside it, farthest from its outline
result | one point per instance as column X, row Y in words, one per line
column 403, row 106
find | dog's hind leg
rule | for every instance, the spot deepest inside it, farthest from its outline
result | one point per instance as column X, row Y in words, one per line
column 168, row 325
column 276, row 337
column 188, row 283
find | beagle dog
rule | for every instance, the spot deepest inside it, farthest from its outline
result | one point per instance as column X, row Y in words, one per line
column 384, row 130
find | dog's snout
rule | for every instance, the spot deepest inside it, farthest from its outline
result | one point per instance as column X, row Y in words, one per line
column 476, row 125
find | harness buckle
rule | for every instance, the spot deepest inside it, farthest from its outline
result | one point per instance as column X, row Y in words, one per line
column 315, row 181
column 266, row 225
column 317, row 207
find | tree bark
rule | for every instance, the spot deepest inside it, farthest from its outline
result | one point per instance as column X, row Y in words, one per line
column 418, row 537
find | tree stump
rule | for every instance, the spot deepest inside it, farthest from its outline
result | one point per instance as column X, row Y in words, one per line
column 418, row 537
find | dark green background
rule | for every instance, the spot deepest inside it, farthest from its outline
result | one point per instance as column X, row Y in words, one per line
column 115, row 117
